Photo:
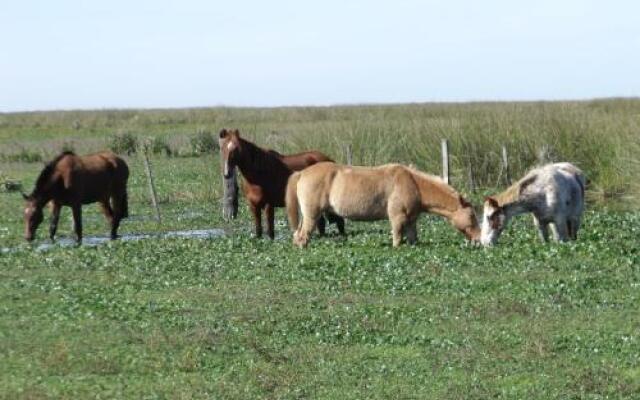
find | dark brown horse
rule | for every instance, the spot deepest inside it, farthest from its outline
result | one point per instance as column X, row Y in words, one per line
column 71, row 180
column 265, row 175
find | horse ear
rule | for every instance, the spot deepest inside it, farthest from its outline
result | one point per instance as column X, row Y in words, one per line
column 236, row 132
column 24, row 195
column 493, row 202
column 223, row 133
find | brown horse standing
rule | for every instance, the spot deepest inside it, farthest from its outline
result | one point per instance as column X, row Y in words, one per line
column 71, row 180
column 265, row 175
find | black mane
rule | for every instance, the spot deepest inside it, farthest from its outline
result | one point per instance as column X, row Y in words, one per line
column 266, row 160
column 46, row 172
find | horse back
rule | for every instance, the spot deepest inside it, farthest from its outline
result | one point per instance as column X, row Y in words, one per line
column 97, row 176
column 300, row 161
column 357, row 193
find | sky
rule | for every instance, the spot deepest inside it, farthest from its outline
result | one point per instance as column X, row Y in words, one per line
column 72, row 54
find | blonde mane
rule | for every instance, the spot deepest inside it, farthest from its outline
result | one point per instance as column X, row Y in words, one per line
column 444, row 196
column 512, row 193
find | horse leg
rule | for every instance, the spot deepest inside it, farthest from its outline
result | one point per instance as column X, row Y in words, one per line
column 338, row 220
column 543, row 229
column 340, row 223
column 411, row 232
column 310, row 217
column 119, row 210
column 575, row 225
column 398, row 219
column 111, row 217
column 77, row 221
column 270, row 221
column 561, row 231
column 257, row 218
column 398, row 223
column 322, row 223
column 55, row 217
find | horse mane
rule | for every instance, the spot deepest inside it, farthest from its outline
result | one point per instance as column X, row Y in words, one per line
column 437, row 182
column 262, row 158
column 47, row 171
column 435, row 179
column 513, row 192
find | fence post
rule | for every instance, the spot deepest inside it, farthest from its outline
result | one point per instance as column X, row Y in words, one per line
column 230, row 196
column 229, row 191
column 543, row 154
column 472, row 181
column 505, row 165
column 445, row 161
column 152, row 187
column 349, row 152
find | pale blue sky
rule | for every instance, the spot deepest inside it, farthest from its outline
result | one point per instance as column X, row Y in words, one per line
column 103, row 54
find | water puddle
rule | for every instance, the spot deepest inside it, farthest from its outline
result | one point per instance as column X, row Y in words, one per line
column 98, row 240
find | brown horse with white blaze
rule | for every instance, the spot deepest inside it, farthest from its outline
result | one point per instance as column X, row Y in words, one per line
column 391, row 191
column 71, row 180
column 265, row 174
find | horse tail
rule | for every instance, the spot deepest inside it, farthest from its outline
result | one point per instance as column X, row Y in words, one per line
column 125, row 204
column 123, row 198
column 292, row 200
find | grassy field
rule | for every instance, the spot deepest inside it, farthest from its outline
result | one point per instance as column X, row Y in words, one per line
column 237, row 317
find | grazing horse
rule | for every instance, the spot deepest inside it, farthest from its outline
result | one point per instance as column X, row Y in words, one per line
column 265, row 175
column 71, row 180
column 391, row 191
column 553, row 193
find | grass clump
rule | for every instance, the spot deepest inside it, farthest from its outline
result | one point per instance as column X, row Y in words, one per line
column 24, row 155
column 159, row 145
column 124, row 143
column 203, row 142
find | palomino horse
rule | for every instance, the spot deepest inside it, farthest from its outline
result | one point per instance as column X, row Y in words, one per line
column 265, row 175
column 554, row 193
column 391, row 191
column 71, row 180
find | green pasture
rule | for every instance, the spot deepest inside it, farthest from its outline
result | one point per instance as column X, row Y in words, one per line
column 245, row 318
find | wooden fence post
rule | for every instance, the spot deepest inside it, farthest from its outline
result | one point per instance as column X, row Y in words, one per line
column 229, row 191
column 472, row 181
column 230, row 196
column 543, row 154
column 505, row 165
column 349, row 152
column 445, row 161
column 152, row 187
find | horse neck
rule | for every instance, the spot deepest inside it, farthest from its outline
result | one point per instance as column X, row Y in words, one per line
column 437, row 197
column 256, row 163
column 511, row 201
column 42, row 192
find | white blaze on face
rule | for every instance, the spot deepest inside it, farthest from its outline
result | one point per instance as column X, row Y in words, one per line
column 489, row 235
column 28, row 210
column 230, row 147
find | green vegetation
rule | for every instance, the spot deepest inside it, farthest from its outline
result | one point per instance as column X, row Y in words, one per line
column 245, row 318
column 124, row 143
column 203, row 142
column 237, row 317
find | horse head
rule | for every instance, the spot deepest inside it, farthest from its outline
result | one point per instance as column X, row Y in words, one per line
column 32, row 216
column 493, row 221
column 464, row 219
column 231, row 149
